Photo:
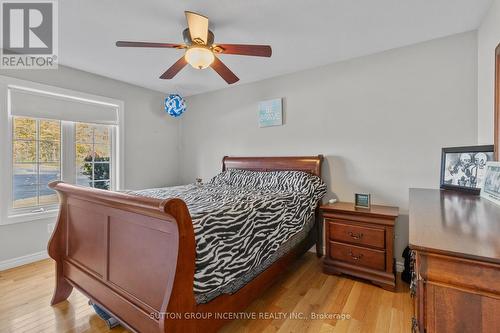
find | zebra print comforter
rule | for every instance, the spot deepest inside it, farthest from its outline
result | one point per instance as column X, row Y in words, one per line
column 243, row 222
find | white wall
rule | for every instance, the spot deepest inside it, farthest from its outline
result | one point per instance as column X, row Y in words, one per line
column 151, row 150
column 380, row 120
column 487, row 40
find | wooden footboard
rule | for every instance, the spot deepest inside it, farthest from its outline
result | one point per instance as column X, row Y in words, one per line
column 123, row 251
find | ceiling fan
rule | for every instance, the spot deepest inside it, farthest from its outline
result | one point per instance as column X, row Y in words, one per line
column 201, row 51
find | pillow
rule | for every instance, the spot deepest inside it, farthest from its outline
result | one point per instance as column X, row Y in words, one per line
column 286, row 181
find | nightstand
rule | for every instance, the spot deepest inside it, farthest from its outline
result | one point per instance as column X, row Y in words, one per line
column 360, row 242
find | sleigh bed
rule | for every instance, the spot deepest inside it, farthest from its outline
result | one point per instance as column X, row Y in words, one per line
column 135, row 256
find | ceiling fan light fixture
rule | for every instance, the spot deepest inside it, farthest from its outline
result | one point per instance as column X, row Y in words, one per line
column 201, row 51
column 199, row 57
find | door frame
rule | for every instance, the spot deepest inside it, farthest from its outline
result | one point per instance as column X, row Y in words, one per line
column 497, row 103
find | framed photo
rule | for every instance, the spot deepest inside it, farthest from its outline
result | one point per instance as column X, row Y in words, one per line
column 463, row 168
column 362, row 200
column 491, row 185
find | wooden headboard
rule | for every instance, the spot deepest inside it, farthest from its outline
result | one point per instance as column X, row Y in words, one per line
column 309, row 164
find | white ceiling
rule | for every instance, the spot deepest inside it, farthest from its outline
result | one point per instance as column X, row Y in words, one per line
column 303, row 34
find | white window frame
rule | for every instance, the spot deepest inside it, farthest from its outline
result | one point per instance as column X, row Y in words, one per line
column 9, row 182
column 8, row 215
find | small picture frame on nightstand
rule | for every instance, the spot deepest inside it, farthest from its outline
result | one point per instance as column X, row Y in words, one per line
column 362, row 200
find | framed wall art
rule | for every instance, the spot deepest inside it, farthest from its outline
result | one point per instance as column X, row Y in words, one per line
column 491, row 185
column 271, row 113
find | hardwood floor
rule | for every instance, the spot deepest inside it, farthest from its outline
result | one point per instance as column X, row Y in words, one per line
column 25, row 294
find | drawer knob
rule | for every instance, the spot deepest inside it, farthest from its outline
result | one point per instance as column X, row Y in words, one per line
column 354, row 256
column 354, row 235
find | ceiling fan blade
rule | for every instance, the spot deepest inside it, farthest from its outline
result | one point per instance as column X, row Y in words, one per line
column 174, row 69
column 224, row 71
column 198, row 27
column 243, row 49
column 122, row 43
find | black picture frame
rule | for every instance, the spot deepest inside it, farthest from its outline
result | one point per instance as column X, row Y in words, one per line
column 465, row 171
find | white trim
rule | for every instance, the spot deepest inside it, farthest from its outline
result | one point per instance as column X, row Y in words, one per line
column 29, row 217
column 8, row 216
column 23, row 260
column 400, row 266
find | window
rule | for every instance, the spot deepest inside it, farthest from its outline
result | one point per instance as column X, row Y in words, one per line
column 51, row 134
column 93, row 155
column 36, row 161
column 36, row 156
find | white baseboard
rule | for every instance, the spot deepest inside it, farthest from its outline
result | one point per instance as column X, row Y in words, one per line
column 400, row 266
column 19, row 261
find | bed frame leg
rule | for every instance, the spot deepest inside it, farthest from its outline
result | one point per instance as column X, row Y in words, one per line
column 63, row 289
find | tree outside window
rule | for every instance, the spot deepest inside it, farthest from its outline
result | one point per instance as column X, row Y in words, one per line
column 36, row 149
column 93, row 155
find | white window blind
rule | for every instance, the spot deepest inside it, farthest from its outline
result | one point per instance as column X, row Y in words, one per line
column 39, row 104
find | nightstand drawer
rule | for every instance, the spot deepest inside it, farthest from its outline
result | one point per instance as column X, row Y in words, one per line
column 361, row 256
column 356, row 234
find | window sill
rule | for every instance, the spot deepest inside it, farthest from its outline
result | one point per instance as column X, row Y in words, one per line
column 29, row 217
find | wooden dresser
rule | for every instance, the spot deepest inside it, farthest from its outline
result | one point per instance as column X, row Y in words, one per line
column 455, row 242
column 359, row 242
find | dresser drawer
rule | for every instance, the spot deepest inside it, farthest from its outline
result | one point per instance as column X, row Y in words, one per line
column 361, row 256
column 355, row 234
